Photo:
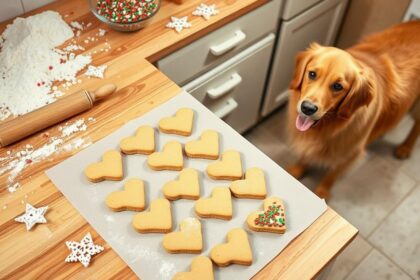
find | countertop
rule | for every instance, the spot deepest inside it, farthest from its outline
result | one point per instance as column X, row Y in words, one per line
column 41, row 252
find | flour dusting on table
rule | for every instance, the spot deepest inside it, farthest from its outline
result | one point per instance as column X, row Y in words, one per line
column 16, row 162
column 30, row 62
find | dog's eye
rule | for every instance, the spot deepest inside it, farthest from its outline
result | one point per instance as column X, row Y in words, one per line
column 337, row 87
column 312, row 75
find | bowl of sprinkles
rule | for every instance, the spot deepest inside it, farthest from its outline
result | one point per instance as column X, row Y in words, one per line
column 125, row 15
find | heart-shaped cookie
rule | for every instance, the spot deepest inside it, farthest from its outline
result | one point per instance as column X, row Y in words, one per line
column 158, row 219
column 201, row 268
column 187, row 240
column 253, row 186
column 110, row 168
column 180, row 124
column 187, row 186
column 131, row 198
column 272, row 219
column 169, row 159
column 229, row 168
column 237, row 250
column 142, row 143
column 207, row 147
column 218, row 206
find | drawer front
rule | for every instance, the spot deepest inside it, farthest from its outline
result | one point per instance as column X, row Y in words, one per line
column 294, row 7
column 223, row 43
column 234, row 89
column 319, row 24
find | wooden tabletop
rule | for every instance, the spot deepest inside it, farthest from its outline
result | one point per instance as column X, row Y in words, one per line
column 41, row 252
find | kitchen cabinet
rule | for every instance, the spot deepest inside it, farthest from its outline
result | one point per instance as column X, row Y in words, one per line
column 233, row 90
column 318, row 24
column 218, row 46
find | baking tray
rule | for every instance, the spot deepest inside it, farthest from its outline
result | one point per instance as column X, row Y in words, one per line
column 144, row 252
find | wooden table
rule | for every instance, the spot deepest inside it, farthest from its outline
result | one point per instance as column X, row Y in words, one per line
column 41, row 252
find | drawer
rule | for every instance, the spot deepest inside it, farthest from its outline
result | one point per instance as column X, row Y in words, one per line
column 294, row 7
column 221, row 44
column 318, row 24
column 234, row 89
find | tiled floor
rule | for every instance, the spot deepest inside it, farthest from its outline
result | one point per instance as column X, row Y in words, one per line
column 380, row 195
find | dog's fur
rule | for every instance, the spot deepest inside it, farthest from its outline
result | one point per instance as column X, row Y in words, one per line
column 381, row 82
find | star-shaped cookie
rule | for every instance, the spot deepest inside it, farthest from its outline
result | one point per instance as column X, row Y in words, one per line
column 205, row 11
column 83, row 251
column 179, row 23
column 32, row 216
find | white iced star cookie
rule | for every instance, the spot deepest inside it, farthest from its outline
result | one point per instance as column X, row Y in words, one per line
column 205, row 11
column 179, row 23
column 83, row 251
column 32, row 216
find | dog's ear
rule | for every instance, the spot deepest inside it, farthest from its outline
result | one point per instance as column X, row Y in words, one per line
column 302, row 59
column 360, row 94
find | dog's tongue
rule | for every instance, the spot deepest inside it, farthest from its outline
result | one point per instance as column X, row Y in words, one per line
column 303, row 123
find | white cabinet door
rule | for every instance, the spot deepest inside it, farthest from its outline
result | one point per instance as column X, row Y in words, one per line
column 319, row 24
column 218, row 46
column 234, row 89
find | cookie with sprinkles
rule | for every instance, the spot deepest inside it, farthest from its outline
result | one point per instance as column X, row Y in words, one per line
column 272, row 219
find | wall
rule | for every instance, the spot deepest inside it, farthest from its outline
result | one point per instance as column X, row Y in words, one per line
column 12, row 8
column 367, row 16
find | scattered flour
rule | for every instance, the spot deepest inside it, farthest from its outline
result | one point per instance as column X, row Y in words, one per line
column 101, row 32
column 78, row 125
column 30, row 62
column 16, row 162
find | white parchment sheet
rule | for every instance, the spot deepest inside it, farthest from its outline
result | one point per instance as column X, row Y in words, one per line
column 144, row 252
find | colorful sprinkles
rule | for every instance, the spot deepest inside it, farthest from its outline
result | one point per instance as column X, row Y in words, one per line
column 126, row 11
column 272, row 217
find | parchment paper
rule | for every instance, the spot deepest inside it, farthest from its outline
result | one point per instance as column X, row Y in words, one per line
column 144, row 252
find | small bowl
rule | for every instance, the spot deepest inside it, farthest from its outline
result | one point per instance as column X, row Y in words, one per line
column 124, row 27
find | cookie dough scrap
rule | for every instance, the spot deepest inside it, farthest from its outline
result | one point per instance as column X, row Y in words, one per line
column 272, row 219
column 201, row 268
column 207, row 147
column 181, row 123
column 253, row 186
column 110, row 168
column 158, row 219
column 142, row 143
column 229, row 168
column 237, row 250
column 131, row 198
column 218, row 206
column 170, row 158
column 187, row 186
column 187, row 240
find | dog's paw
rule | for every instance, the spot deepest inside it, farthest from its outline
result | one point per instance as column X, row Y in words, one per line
column 322, row 192
column 296, row 171
column 402, row 152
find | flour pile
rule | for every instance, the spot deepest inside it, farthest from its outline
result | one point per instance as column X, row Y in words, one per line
column 30, row 62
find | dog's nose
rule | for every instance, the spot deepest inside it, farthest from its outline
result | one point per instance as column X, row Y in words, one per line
column 308, row 108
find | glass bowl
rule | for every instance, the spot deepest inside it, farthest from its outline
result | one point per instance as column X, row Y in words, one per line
column 123, row 26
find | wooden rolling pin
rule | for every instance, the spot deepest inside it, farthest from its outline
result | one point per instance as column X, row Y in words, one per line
column 64, row 108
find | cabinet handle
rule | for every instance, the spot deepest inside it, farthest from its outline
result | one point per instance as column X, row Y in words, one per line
column 233, row 82
column 228, row 108
column 220, row 49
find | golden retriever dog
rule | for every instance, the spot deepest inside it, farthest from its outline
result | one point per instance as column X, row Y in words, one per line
column 341, row 100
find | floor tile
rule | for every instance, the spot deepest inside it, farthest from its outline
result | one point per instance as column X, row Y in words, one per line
column 399, row 235
column 366, row 196
column 349, row 258
column 386, row 145
column 377, row 267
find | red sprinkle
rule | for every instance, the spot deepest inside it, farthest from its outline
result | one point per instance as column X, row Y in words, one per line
column 50, row 67
column 28, row 160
